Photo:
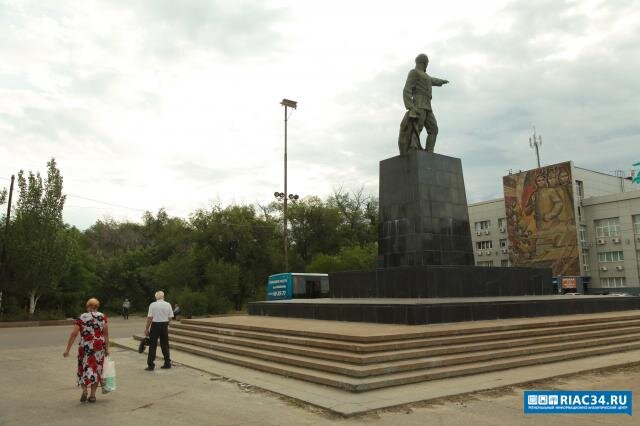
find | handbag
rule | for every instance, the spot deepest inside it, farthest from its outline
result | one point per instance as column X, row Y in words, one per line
column 109, row 375
column 144, row 342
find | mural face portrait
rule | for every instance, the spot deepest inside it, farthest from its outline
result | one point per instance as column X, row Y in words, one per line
column 540, row 216
column 563, row 177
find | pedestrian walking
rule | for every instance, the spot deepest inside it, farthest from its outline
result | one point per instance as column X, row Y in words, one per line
column 93, row 346
column 157, row 327
column 125, row 309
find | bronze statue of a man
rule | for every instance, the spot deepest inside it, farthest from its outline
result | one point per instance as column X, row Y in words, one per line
column 417, row 100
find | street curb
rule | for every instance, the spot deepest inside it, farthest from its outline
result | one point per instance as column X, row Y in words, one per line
column 10, row 324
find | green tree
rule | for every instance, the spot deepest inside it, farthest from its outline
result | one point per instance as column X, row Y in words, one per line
column 41, row 247
column 314, row 226
column 236, row 236
column 354, row 258
column 358, row 217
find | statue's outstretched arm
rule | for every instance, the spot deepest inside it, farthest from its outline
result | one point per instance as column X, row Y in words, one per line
column 438, row 81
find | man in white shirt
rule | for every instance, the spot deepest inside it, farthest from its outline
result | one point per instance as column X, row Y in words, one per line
column 160, row 313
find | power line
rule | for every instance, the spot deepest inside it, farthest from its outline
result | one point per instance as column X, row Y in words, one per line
column 106, row 203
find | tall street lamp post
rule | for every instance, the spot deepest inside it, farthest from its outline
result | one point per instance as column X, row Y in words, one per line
column 287, row 103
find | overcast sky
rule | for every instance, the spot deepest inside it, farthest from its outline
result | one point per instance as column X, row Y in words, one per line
column 175, row 104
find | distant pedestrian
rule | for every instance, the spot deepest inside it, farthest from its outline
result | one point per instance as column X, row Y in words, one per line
column 125, row 309
column 160, row 313
column 176, row 311
column 93, row 346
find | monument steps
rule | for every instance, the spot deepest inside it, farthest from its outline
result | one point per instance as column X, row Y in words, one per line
column 361, row 384
column 260, row 327
column 387, row 367
column 482, row 367
column 405, row 341
column 358, row 356
column 433, row 347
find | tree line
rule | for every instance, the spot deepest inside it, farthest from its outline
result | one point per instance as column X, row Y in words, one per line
column 216, row 260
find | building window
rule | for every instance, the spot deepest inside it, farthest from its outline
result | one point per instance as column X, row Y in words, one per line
column 636, row 224
column 503, row 243
column 583, row 234
column 483, row 225
column 502, row 222
column 504, row 262
column 580, row 186
column 608, row 227
column 611, row 282
column 485, row 263
column 585, row 258
column 484, row 245
column 610, row 256
column 579, row 214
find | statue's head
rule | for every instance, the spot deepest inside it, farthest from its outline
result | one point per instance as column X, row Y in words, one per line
column 422, row 60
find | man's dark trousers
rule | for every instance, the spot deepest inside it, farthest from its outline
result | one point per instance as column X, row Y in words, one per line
column 159, row 330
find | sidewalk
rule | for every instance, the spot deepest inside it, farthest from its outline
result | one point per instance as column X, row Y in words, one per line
column 345, row 403
column 38, row 388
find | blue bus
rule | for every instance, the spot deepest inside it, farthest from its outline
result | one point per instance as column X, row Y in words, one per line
column 295, row 285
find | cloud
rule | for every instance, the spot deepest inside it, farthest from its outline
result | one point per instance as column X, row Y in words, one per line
column 235, row 29
column 182, row 97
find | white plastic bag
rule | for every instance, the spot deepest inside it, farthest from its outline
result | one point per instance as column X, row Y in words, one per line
column 109, row 375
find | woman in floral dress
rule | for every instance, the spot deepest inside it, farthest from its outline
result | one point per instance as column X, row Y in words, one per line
column 93, row 346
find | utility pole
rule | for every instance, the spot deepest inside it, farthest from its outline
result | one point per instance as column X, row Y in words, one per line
column 287, row 104
column 3, row 256
column 536, row 142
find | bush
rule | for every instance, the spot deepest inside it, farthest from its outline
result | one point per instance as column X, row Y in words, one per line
column 217, row 303
column 193, row 303
column 354, row 258
column 23, row 315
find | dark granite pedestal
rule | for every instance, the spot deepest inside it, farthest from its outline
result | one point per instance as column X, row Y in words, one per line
column 441, row 281
column 444, row 310
column 423, row 212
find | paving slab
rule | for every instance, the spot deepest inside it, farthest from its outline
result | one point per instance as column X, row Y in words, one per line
column 350, row 404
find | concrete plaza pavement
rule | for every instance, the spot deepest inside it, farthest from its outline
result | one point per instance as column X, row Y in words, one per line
column 38, row 388
column 29, row 337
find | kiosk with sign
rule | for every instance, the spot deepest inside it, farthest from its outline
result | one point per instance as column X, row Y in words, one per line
column 295, row 285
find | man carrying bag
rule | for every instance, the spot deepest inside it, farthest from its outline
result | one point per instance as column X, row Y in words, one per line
column 160, row 313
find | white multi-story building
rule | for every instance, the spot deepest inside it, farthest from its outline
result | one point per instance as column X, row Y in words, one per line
column 603, row 257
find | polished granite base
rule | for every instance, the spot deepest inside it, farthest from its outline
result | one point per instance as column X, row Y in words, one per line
column 424, row 216
column 442, row 310
column 441, row 281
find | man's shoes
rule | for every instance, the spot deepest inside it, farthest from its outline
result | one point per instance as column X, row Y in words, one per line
column 166, row 366
column 149, row 369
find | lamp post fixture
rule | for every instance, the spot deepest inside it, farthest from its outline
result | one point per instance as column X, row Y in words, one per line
column 287, row 103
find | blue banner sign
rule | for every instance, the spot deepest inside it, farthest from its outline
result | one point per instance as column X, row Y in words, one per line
column 578, row 402
column 279, row 287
